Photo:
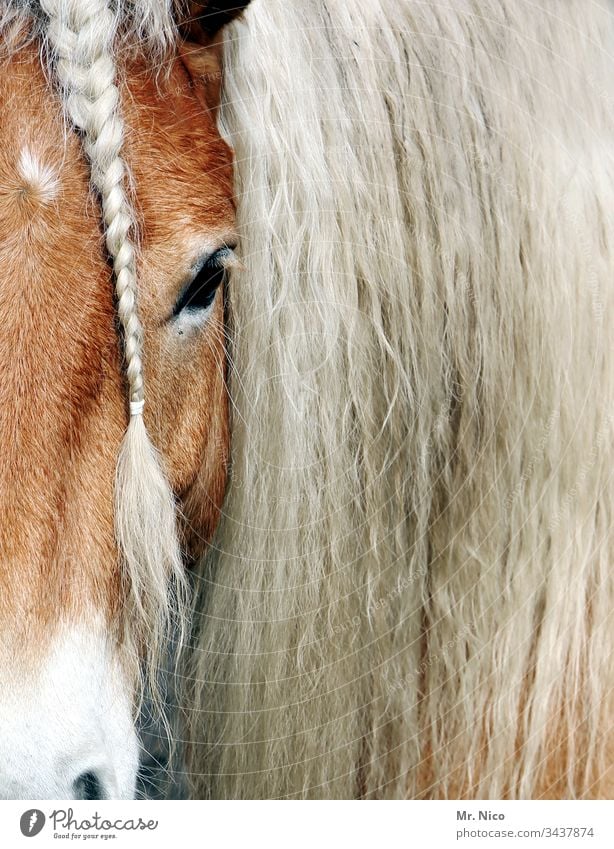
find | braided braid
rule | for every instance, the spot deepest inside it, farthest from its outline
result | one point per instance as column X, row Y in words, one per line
column 82, row 41
column 81, row 34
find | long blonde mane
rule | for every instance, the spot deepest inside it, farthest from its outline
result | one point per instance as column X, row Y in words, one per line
column 411, row 590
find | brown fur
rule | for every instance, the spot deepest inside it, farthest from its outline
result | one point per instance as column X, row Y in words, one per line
column 62, row 396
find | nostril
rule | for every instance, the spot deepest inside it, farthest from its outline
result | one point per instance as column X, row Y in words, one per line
column 88, row 787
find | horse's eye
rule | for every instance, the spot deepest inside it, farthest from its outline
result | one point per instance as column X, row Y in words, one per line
column 199, row 293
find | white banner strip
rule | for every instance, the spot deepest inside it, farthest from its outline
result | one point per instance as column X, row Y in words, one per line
column 316, row 825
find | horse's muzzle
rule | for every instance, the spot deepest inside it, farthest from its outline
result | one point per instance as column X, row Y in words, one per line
column 66, row 721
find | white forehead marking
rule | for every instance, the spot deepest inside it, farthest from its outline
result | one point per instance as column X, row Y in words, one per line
column 39, row 179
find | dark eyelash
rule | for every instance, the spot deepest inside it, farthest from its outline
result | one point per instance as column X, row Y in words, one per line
column 200, row 292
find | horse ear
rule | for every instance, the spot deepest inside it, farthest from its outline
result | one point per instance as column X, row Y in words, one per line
column 200, row 26
column 206, row 18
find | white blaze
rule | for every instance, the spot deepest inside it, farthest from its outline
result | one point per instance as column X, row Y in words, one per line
column 71, row 715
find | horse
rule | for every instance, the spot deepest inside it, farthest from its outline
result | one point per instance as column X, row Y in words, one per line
column 362, row 472
column 97, row 107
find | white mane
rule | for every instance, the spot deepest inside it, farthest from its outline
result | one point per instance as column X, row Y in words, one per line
column 411, row 590
column 148, row 23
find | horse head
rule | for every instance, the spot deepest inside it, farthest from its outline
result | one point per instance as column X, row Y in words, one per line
column 113, row 169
